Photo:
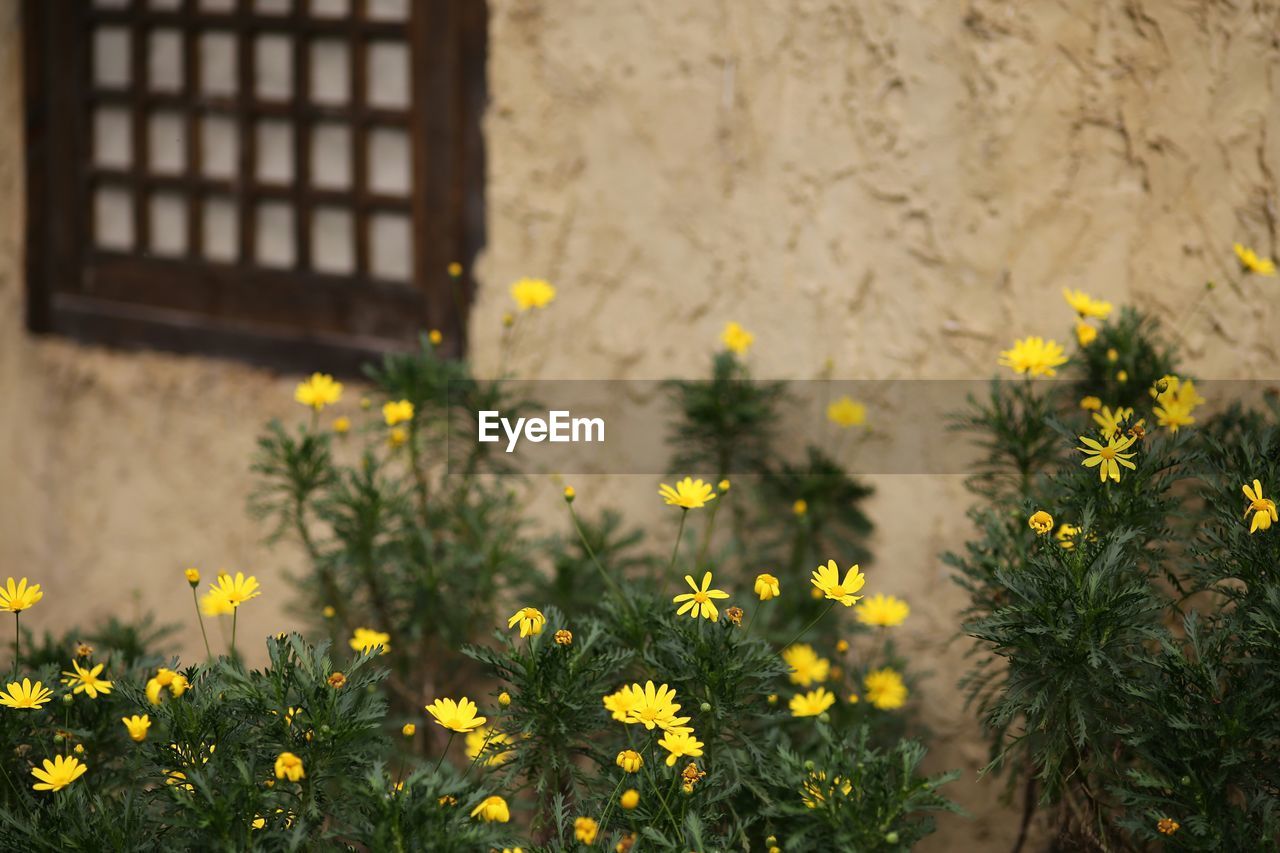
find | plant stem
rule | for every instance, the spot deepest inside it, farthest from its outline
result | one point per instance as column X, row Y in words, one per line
column 17, row 643
column 235, row 615
column 200, row 616
column 480, row 752
column 592, row 554
column 684, row 513
column 810, row 625
column 444, row 752
column 613, row 798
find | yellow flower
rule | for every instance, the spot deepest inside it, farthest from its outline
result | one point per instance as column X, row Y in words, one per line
column 1066, row 536
column 409, row 730
column 492, row 809
column 504, row 699
column 454, row 269
column 585, row 829
column 1109, row 421
column 883, row 611
column 655, row 707
column 687, row 494
column 1085, row 305
column 25, row 695
column 1113, row 354
column 813, row 703
column 1034, row 356
column 563, row 637
column 630, row 760
column 1122, row 376
column 1173, row 415
column 397, row 412
column 827, row 579
column 569, row 494
column 436, row 337
column 842, row 646
column 1041, row 522
column 531, row 621
column 884, row 689
column 1085, row 333
column 736, row 339
column 767, row 587
column 680, row 744
column 175, row 681
column 319, row 391
column 193, row 576
column 800, row 507
column 86, row 680
column 337, row 680
column 1090, row 404
column 1167, row 826
column 342, row 425
column 723, row 485
column 1250, row 261
column 57, row 774
column 397, row 437
column 477, row 739
column 329, row 611
column 699, row 602
column 1263, row 509
column 806, row 667
column 532, row 293
column 621, row 701
column 630, row 799
column 289, row 766
column 1109, row 457
column 366, row 640
column 19, row 596
column 212, row 604
column 231, row 592
column 137, row 726
column 846, row 413
column 457, row 716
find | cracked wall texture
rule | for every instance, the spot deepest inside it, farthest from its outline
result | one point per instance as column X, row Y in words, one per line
column 899, row 187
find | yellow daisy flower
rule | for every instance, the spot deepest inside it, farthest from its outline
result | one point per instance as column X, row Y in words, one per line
column 25, row 695
column 1090, row 403
column 699, row 602
column 492, row 809
column 680, row 744
column 687, row 494
column 457, row 716
column 884, row 689
column 1066, row 536
column 318, row 391
column 620, row 702
column 1109, row 421
column 137, row 726
column 1085, row 305
column 767, row 586
column 289, row 766
column 532, row 293
column 16, row 597
column 1085, row 334
column 397, row 412
column 846, row 413
column 232, row 592
column 530, row 619
column 736, row 339
column 585, row 829
column 1041, row 522
column 883, row 611
column 485, row 739
column 1250, row 261
column 655, row 707
column 1034, row 356
column 827, row 580
column 1109, row 457
column 806, row 666
column 367, row 639
column 86, row 681
column 58, row 774
column 813, row 703
column 1263, row 509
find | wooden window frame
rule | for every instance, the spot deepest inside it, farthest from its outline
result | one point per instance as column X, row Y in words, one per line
column 290, row 319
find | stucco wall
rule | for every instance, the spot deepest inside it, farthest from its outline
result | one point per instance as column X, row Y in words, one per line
column 900, row 187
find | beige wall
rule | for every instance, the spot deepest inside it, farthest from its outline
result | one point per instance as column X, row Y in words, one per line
column 900, row 187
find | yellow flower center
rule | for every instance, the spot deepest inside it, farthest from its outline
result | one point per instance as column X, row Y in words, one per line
column 1107, row 452
column 701, row 597
column 837, row 591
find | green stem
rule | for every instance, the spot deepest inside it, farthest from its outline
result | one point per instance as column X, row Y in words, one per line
column 684, row 513
column 444, row 752
column 480, row 752
column 706, row 534
column 235, row 615
column 810, row 625
column 17, row 643
column 592, row 554
column 200, row 616
column 613, row 798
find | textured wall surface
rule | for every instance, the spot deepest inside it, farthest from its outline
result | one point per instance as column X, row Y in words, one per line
column 900, row 187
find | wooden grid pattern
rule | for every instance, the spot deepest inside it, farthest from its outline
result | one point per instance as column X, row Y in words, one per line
column 136, row 291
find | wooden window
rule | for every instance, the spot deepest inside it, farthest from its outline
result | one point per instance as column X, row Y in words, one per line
column 285, row 181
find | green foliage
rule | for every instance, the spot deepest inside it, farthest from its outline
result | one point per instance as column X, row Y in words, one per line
column 1121, row 661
